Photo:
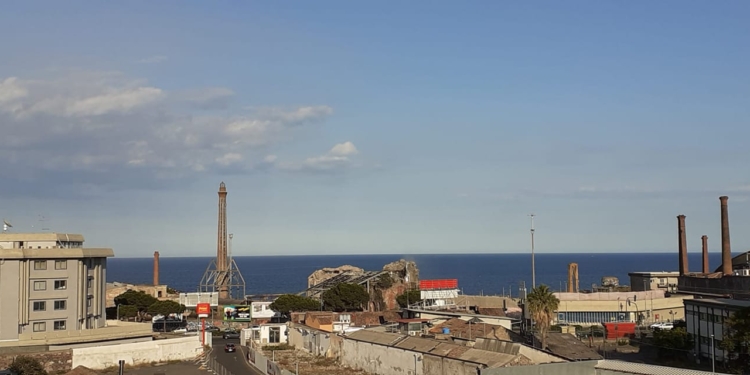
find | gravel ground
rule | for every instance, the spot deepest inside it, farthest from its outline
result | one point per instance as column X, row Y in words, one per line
column 311, row 365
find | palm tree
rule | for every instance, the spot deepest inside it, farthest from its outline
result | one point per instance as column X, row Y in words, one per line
column 542, row 304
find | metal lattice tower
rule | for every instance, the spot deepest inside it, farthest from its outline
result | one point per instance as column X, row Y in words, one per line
column 222, row 274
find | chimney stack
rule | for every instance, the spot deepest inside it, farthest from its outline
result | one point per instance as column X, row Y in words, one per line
column 726, row 248
column 682, row 244
column 704, row 239
column 156, row 268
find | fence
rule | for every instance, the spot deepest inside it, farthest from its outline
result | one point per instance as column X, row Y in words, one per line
column 263, row 364
column 215, row 367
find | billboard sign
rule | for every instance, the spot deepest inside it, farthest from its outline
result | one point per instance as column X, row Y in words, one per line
column 193, row 299
column 203, row 310
column 237, row 313
column 438, row 284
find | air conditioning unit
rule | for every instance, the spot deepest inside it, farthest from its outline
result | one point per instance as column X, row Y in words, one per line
column 412, row 333
column 742, row 272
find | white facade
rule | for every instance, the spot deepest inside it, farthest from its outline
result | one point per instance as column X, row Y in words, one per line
column 265, row 334
column 262, row 310
column 705, row 318
column 643, row 281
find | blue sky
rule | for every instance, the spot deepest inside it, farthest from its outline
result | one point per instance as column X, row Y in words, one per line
column 386, row 127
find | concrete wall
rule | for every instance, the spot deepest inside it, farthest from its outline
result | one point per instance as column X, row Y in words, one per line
column 434, row 365
column 738, row 286
column 571, row 368
column 262, row 363
column 382, row 360
column 9, row 276
column 146, row 352
column 538, row 356
column 310, row 340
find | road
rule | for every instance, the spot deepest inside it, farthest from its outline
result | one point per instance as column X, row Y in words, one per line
column 233, row 362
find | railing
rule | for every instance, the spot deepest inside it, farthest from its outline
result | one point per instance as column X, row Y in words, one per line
column 215, row 367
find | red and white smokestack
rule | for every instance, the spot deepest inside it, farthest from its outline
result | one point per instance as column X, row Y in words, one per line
column 682, row 244
column 726, row 248
column 704, row 240
column 156, row 268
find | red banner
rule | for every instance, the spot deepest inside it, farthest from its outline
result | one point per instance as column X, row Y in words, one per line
column 438, row 284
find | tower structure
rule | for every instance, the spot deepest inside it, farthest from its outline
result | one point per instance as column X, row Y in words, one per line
column 222, row 275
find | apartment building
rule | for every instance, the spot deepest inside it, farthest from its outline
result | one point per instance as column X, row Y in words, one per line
column 705, row 320
column 51, row 287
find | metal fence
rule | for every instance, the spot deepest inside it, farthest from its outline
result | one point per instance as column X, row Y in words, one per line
column 215, row 367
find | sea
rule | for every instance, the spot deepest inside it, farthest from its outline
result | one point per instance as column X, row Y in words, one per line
column 477, row 274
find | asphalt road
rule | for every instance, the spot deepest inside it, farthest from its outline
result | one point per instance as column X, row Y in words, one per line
column 235, row 362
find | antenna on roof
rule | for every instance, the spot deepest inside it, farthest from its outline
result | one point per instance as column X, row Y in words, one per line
column 6, row 225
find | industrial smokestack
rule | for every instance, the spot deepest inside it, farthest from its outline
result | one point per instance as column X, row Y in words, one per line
column 156, row 268
column 726, row 247
column 704, row 239
column 682, row 244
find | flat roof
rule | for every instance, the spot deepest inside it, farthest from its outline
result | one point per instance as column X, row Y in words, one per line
column 654, row 273
column 450, row 313
column 719, row 302
column 43, row 236
column 56, row 253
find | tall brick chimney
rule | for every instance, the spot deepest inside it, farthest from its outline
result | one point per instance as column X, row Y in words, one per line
column 726, row 247
column 682, row 244
column 156, row 268
column 704, row 239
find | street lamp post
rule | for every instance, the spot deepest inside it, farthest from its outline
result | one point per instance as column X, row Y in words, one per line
column 533, row 267
column 713, row 356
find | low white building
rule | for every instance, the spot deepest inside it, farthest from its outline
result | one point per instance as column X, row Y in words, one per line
column 645, row 281
column 265, row 334
column 705, row 320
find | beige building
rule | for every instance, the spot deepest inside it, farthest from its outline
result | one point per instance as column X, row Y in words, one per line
column 51, row 288
column 643, row 281
column 641, row 307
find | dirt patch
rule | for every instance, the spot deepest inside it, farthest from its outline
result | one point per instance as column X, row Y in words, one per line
column 311, row 365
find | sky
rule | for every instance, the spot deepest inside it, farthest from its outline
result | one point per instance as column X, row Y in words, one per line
column 376, row 127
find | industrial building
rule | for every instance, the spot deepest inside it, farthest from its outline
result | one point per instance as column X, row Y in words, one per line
column 706, row 319
column 644, row 281
column 52, row 291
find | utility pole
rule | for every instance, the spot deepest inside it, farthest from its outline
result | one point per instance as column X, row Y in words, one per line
column 533, row 267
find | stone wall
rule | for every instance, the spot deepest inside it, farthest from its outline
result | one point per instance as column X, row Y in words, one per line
column 54, row 362
column 103, row 357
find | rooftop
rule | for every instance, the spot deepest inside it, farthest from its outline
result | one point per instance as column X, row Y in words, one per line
column 654, row 273
column 42, row 236
column 644, row 369
column 720, row 301
column 458, row 314
column 345, row 277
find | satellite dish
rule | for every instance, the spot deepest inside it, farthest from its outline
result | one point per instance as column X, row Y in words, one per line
column 6, row 225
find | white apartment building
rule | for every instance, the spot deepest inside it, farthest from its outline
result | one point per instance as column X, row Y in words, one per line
column 705, row 320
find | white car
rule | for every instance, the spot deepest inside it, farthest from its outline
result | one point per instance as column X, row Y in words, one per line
column 662, row 326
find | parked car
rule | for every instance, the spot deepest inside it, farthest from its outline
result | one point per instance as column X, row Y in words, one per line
column 231, row 335
column 229, row 348
column 662, row 326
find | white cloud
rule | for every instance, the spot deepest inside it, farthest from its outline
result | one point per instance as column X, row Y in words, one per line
column 104, row 124
column 339, row 156
column 152, row 60
column 344, row 149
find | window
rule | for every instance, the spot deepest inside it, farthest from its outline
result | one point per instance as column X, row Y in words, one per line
column 40, row 326
column 274, row 335
column 88, row 283
column 40, row 285
column 60, row 305
column 88, row 301
column 59, row 325
column 61, row 264
column 61, row 284
column 40, row 306
column 40, row 264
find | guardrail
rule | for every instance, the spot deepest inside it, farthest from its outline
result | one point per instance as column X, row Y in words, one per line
column 215, row 367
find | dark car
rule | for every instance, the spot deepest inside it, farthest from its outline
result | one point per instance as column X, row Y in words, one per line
column 230, row 348
column 231, row 335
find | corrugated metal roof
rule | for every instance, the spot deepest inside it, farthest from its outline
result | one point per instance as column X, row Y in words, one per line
column 382, row 338
column 644, row 369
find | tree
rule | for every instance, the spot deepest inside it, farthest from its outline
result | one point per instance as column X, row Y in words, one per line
column 287, row 303
column 128, row 311
column 25, row 365
column 674, row 343
column 345, row 297
column 166, row 308
column 542, row 304
column 737, row 341
column 140, row 300
column 409, row 297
